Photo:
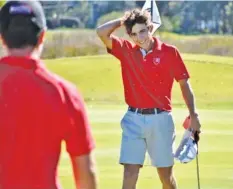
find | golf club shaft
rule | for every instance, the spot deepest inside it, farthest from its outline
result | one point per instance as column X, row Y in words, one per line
column 198, row 176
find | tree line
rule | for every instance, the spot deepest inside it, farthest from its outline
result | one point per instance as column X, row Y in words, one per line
column 186, row 17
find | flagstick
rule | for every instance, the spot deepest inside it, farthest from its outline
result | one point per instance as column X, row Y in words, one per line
column 151, row 5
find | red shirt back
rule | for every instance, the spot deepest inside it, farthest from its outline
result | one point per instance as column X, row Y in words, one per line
column 38, row 110
column 148, row 79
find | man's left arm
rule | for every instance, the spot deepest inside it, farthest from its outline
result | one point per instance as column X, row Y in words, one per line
column 189, row 99
column 181, row 75
column 79, row 140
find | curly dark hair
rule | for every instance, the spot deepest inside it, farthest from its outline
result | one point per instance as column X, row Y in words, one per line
column 136, row 16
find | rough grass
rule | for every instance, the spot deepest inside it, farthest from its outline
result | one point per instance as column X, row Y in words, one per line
column 81, row 42
column 66, row 43
column 201, row 44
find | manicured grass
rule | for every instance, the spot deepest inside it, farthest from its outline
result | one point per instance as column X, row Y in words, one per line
column 215, row 158
column 99, row 79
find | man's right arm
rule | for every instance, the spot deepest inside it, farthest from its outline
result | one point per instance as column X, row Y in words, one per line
column 104, row 31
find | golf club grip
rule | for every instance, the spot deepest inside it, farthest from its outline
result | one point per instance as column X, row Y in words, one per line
column 196, row 137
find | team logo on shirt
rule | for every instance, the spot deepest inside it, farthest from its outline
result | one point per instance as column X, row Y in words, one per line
column 156, row 60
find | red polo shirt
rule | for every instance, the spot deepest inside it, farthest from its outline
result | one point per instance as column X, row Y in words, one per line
column 38, row 110
column 148, row 79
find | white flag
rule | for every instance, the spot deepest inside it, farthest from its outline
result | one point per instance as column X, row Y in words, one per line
column 151, row 7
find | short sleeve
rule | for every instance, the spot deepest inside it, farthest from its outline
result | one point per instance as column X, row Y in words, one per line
column 118, row 47
column 179, row 69
column 78, row 137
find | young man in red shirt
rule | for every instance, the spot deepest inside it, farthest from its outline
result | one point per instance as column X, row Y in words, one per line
column 38, row 110
column 149, row 68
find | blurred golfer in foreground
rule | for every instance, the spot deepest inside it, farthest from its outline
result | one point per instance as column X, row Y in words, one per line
column 38, row 110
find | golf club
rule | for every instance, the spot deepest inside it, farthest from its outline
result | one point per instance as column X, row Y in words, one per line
column 197, row 161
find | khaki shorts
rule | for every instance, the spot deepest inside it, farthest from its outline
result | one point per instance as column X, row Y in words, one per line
column 154, row 133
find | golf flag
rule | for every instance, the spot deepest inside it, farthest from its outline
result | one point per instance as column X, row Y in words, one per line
column 151, row 6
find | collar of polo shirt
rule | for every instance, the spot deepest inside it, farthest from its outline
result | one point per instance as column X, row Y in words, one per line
column 157, row 46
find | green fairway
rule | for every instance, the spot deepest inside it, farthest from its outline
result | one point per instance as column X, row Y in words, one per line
column 215, row 159
column 99, row 80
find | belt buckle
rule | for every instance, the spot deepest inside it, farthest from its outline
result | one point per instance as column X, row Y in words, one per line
column 142, row 109
column 153, row 109
column 148, row 110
